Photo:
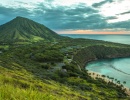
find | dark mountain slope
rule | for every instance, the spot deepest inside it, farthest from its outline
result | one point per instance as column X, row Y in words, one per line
column 23, row 29
column 97, row 52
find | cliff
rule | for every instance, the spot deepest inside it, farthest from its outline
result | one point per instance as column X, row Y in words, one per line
column 96, row 52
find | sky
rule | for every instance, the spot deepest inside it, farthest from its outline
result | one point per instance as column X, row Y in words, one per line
column 72, row 16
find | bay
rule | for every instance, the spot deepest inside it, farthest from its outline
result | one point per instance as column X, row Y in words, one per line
column 118, row 69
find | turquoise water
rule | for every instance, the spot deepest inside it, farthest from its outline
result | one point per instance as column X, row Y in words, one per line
column 125, row 39
column 117, row 68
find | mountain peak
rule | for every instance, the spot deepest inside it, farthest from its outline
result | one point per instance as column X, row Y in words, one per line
column 24, row 29
column 19, row 17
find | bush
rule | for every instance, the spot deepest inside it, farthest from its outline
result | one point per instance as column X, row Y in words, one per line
column 46, row 66
column 102, row 93
column 72, row 68
column 85, row 87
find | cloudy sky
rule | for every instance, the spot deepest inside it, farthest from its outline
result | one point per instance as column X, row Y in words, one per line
column 72, row 16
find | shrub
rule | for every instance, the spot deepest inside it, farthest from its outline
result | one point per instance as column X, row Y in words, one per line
column 46, row 66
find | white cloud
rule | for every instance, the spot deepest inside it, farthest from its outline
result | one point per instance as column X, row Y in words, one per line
column 115, row 9
column 108, row 9
column 120, row 18
column 55, row 2
column 73, row 2
column 32, row 4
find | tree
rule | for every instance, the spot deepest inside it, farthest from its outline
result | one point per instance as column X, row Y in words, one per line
column 124, row 82
column 118, row 82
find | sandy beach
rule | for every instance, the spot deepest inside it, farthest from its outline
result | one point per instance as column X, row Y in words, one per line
column 98, row 75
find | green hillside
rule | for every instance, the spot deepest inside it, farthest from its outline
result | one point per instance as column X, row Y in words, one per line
column 97, row 52
column 33, row 72
column 48, row 69
column 23, row 30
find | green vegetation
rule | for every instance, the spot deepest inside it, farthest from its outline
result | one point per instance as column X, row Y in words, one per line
column 48, row 69
column 100, row 52
column 24, row 30
column 31, row 70
column 21, row 85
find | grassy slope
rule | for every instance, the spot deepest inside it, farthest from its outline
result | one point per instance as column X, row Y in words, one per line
column 22, row 78
column 23, row 29
column 19, row 84
column 95, row 52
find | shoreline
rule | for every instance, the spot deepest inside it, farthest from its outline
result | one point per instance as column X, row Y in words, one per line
column 94, row 75
column 109, row 58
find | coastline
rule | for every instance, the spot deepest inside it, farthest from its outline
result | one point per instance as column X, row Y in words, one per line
column 94, row 75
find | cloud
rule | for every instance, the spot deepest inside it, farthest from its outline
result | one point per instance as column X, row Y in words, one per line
column 127, row 12
column 81, row 9
column 99, row 4
column 111, row 17
column 79, row 16
column 90, row 22
column 125, row 25
column 7, row 14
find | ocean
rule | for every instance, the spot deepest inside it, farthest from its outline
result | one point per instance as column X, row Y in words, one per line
column 118, row 68
column 124, row 38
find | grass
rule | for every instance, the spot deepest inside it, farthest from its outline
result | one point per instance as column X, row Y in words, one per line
column 5, row 47
column 21, row 85
column 22, row 29
column 8, row 92
column 36, row 38
column 22, row 78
